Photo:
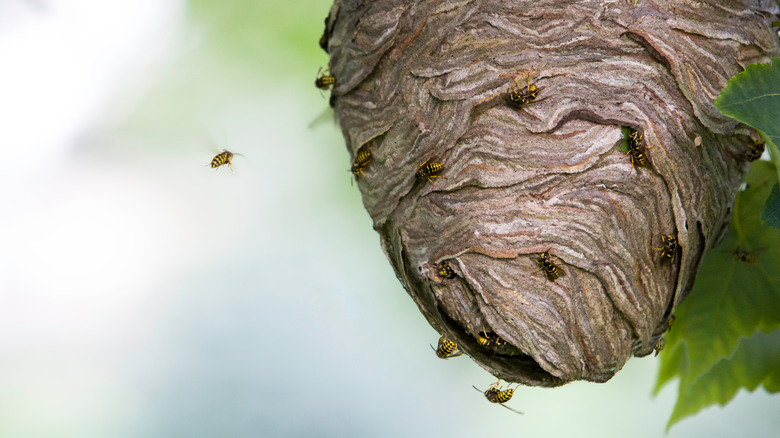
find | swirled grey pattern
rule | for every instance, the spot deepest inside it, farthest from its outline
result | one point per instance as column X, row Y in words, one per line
column 427, row 79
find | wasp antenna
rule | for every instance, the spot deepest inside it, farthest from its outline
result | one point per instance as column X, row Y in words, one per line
column 479, row 390
column 432, row 347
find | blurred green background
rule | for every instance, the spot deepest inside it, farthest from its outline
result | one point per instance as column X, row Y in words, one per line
column 146, row 294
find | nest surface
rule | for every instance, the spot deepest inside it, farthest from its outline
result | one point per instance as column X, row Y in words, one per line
column 421, row 81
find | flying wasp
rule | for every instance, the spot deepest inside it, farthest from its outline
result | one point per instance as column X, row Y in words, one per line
column 740, row 254
column 325, row 81
column 495, row 394
column 446, row 348
column 517, row 97
column 430, row 169
column 362, row 158
column 445, row 271
column 755, row 149
column 659, row 345
column 546, row 265
column 224, row 157
column 670, row 247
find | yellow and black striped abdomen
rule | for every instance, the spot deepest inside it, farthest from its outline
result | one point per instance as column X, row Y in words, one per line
column 489, row 340
column 362, row 159
column 483, row 341
column 638, row 158
column 659, row 345
column 504, row 396
column 546, row 264
column 224, row 157
column 552, row 272
column 447, row 349
column 324, row 82
column 635, row 142
column 429, row 170
column 494, row 395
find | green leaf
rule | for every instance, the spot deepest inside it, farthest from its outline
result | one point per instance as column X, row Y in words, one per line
column 737, row 293
column 623, row 146
column 774, row 152
column 753, row 98
column 755, row 361
column 771, row 212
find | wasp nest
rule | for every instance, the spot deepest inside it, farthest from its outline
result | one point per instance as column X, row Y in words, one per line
column 494, row 130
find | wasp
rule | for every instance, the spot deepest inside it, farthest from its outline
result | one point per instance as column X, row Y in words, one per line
column 744, row 256
column 324, row 41
column 446, row 348
column 546, row 265
column 670, row 323
column 635, row 148
column 445, row 271
column 362, row 158
column 670, row 247
column 755, row 149
column 495, row 394
column 488, row 340
column 517, row 97
column 659, row 345
column 430, row 169
column 224, row 157
column 325, row 81
column 324, row 38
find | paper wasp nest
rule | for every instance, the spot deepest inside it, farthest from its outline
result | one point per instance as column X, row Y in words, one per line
column 419, row 80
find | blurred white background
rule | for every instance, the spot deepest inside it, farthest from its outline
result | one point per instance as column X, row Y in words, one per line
column 144, row 294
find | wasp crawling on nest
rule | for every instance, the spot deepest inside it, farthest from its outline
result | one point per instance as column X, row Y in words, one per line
column 546, row 265
column 636, row 148
column 670, row 323
column 489, row 340
column 446, row 348
column 495, row 394
column 430, row 169
column 518, row 97
column 362, row 158
column 670, row 248
column 325, row 81
column 658, row 346
column 755, row 149
column 445, row 271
